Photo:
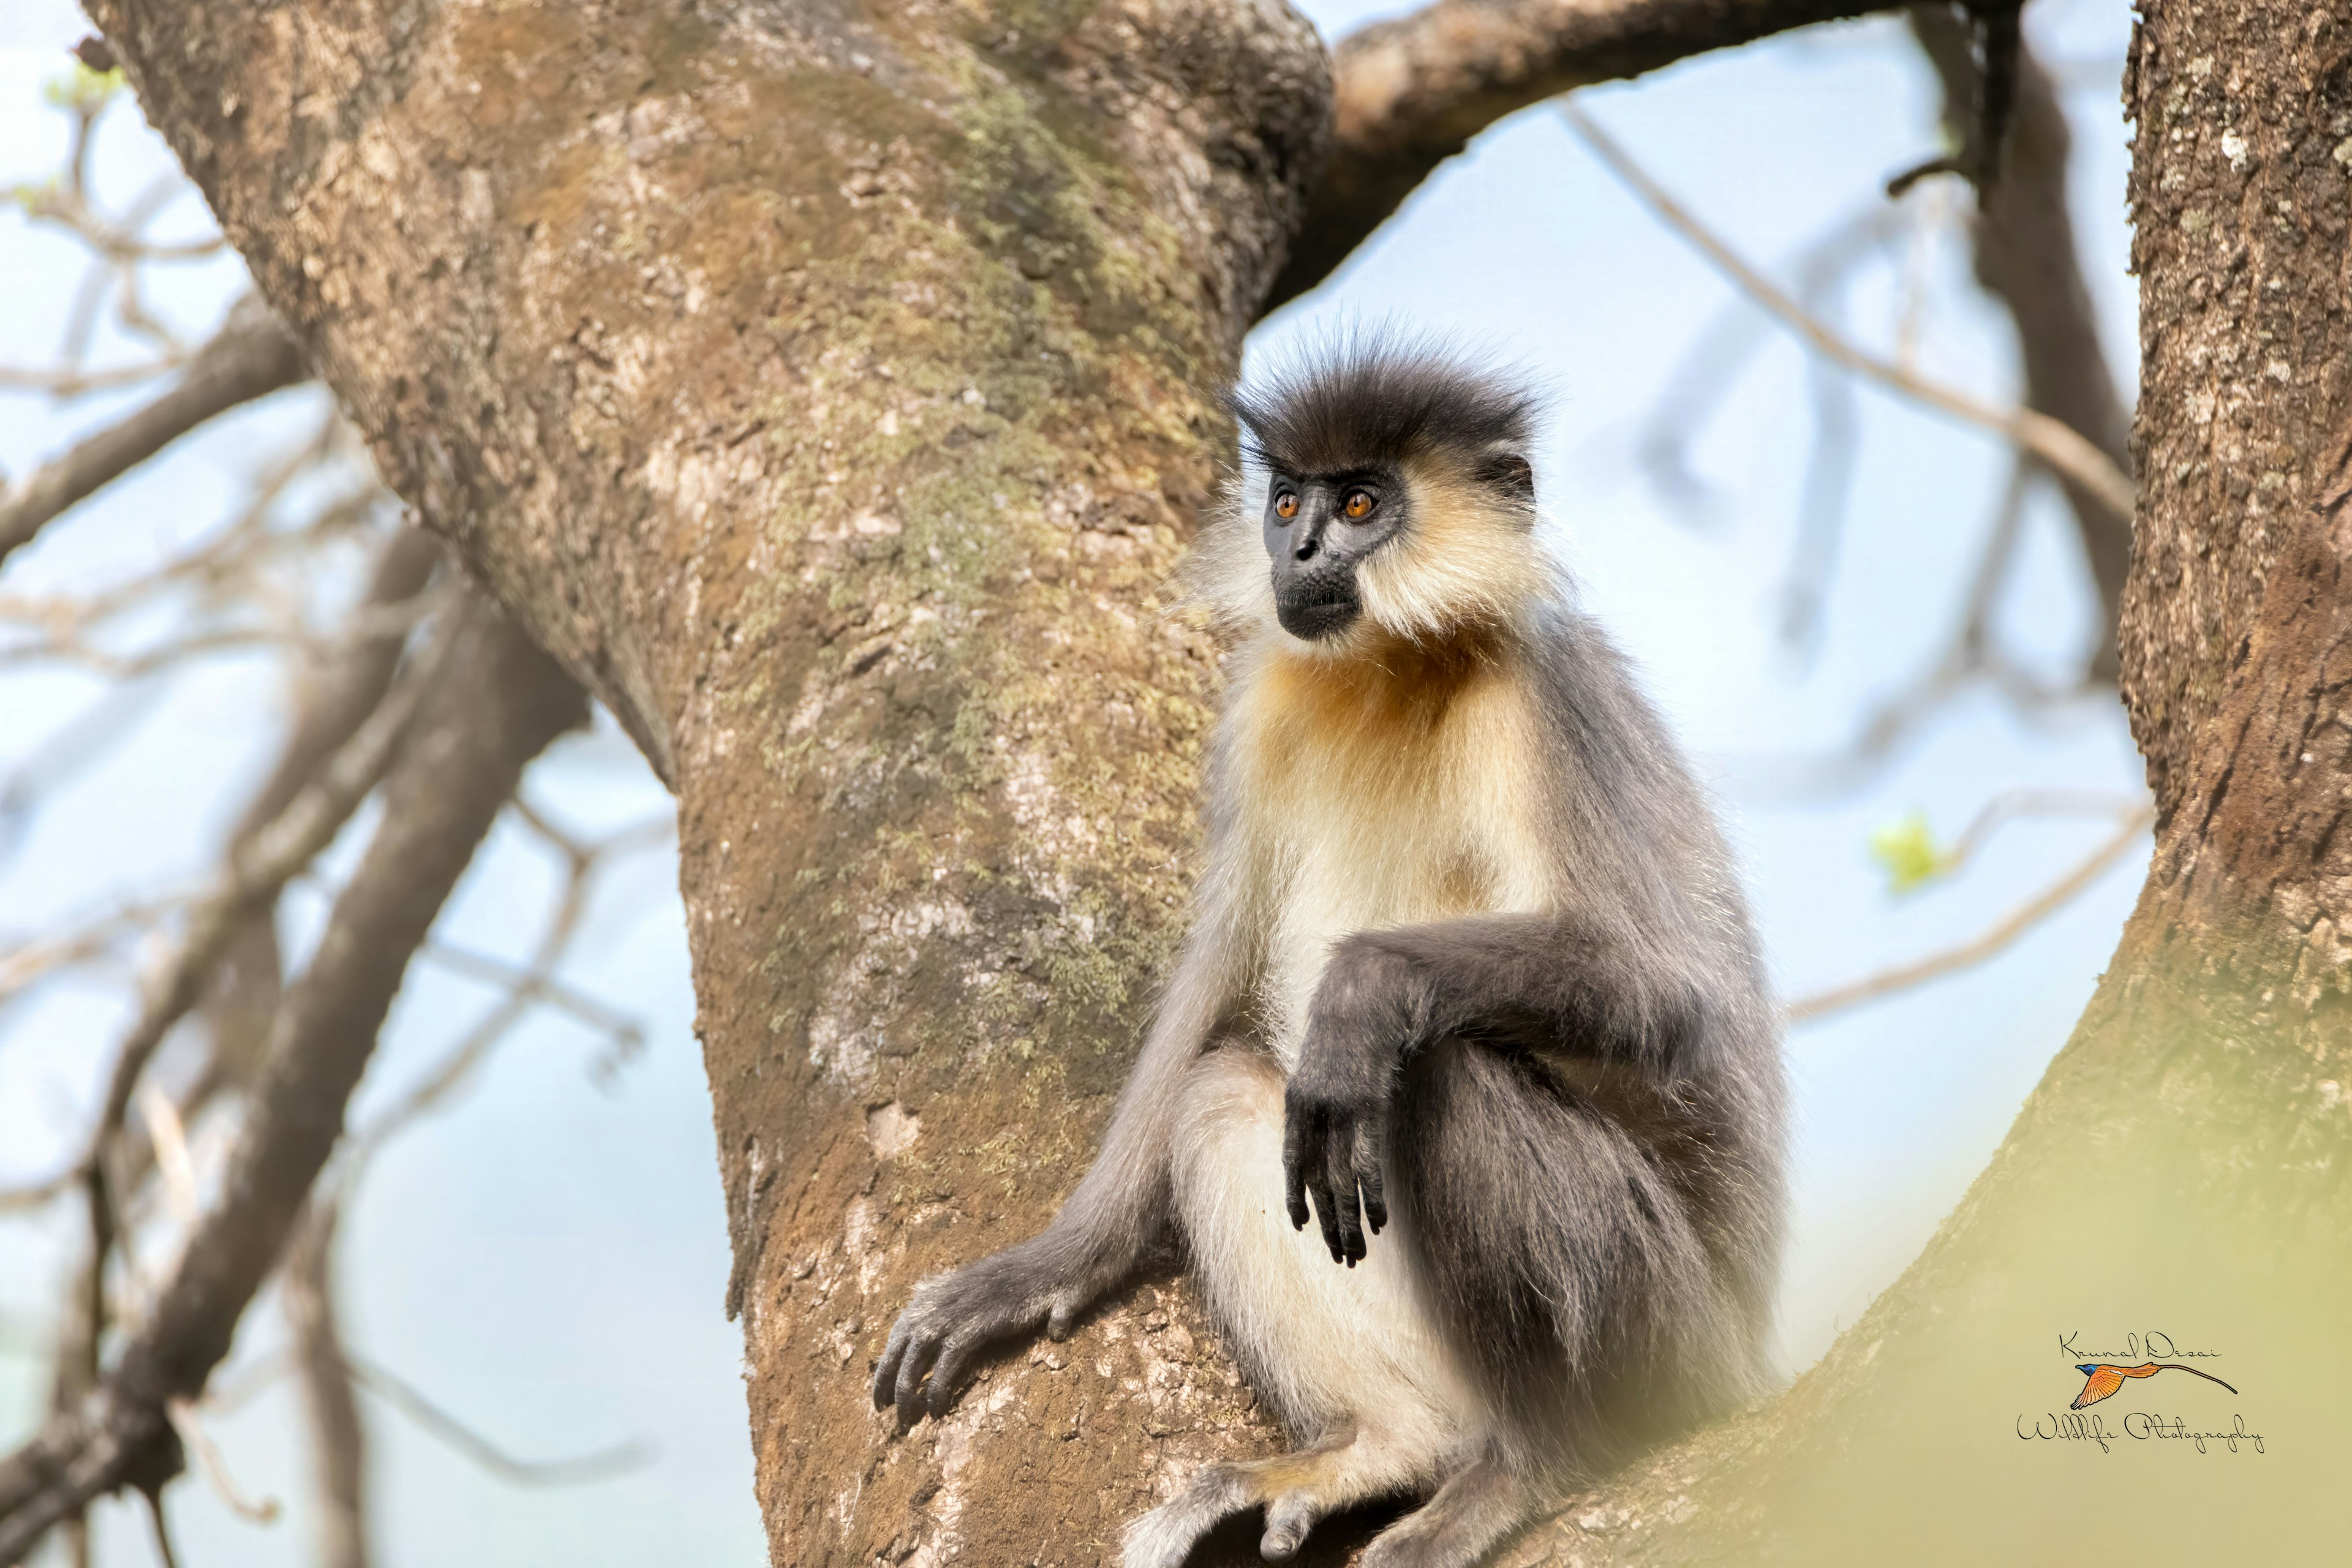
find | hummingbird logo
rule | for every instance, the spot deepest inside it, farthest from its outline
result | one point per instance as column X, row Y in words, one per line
column 2103, row 1378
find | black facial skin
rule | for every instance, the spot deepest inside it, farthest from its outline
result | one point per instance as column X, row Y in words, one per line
column 1317, row 549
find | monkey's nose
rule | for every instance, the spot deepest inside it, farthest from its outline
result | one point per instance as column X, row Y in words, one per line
column 1307, row 548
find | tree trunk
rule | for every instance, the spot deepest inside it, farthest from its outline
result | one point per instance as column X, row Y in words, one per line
column 833, row 395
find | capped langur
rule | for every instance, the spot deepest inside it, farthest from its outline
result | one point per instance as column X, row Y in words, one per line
column 1465, row 1099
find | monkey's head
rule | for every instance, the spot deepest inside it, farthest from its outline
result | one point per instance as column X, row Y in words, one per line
column 1398, row 495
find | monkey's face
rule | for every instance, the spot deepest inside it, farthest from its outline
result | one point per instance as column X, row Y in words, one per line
column 1319, row 528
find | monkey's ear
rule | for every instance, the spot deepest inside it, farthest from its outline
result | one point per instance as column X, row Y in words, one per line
column 1509, row 471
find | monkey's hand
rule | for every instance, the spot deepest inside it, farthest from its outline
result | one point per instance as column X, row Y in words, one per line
column 1044, row 1282
column 1333, row 1146
column 1336, row 1111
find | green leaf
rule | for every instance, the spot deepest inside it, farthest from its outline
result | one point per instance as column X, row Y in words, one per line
column 1908, row 852
column 82, row 89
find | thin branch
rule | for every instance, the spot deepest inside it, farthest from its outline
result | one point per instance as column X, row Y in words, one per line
column 1972, row 658
column 338, row 1438
column 2064, row 450
column 524, row 985
column 163, row 1548
column 168, row 1135
column 2022, row 804
column 1409, row 93
column 498, row 705
column 1987, row 943
column 535, row 982
column 256, row 869
column 405, row 1398
column 199, row 1442
column 1710, row 367
column 252, row 356
column 77, row 383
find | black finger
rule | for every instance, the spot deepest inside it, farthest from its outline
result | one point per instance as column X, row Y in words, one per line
column 921, row 1349
column 1339, row 1169
column 948, row 1373
column 886, row 1376
column 1327, row 1207
column 1296, row 1161
column 1371, row 1164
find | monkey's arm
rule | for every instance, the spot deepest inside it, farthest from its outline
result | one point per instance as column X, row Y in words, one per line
column 1120, row 1207
column 1551, row 983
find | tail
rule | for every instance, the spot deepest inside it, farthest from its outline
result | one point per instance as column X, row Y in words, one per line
column 2176, row 1366
column 1565, row 1257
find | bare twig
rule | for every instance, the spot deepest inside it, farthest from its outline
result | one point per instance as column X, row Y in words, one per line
column 256, row 869
column 499, row 703
column 1409, row 93
column 525, row 986
column 2065, row 452
column 403, row 1397
column 1711, row 366
column 252, row 356
column 1972, row 658
column 1984, row 945
column 339, row 1439
column 199, row 1442
column 72, row 383
column 169, row 1136
column 536, row 983
column 2023, row 804
column 165, row 1550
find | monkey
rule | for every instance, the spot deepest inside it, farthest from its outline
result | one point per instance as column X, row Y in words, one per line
column 1469, row 982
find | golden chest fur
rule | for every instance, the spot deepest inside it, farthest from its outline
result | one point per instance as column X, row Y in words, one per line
column 1384, row 790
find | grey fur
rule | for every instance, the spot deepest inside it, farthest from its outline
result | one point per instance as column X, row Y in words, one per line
column 1581, row 1111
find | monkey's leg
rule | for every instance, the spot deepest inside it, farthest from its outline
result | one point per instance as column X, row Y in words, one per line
column 1352, row 1355
column 1477, row 1507
column 1296, row 1489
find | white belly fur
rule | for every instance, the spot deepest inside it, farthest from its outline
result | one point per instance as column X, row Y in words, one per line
column 1331, row 1347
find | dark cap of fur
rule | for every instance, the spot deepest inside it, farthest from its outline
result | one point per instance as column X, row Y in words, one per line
column 1380, row 401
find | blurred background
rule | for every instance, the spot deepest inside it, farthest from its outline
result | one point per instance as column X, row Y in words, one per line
column 1884, row 649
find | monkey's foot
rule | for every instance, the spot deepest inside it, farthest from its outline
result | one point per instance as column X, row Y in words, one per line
column 1296, row 1490
column 1477, row 1507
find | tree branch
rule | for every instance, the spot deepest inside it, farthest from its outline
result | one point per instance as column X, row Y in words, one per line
column 339, row 1441
column 404, row 1397
column 2057, row 446
column 496, row 703
column 252, row 356
column 1986, row 943
column 2027, row 258
column 1409, row 93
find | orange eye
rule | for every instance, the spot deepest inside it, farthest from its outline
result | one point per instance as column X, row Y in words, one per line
column 1357, row 507
column 1285, row 505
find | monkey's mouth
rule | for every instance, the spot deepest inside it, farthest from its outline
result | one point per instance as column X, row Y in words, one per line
column 1314, row 609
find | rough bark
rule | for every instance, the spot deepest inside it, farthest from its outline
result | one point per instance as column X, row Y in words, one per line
column 830, row 394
